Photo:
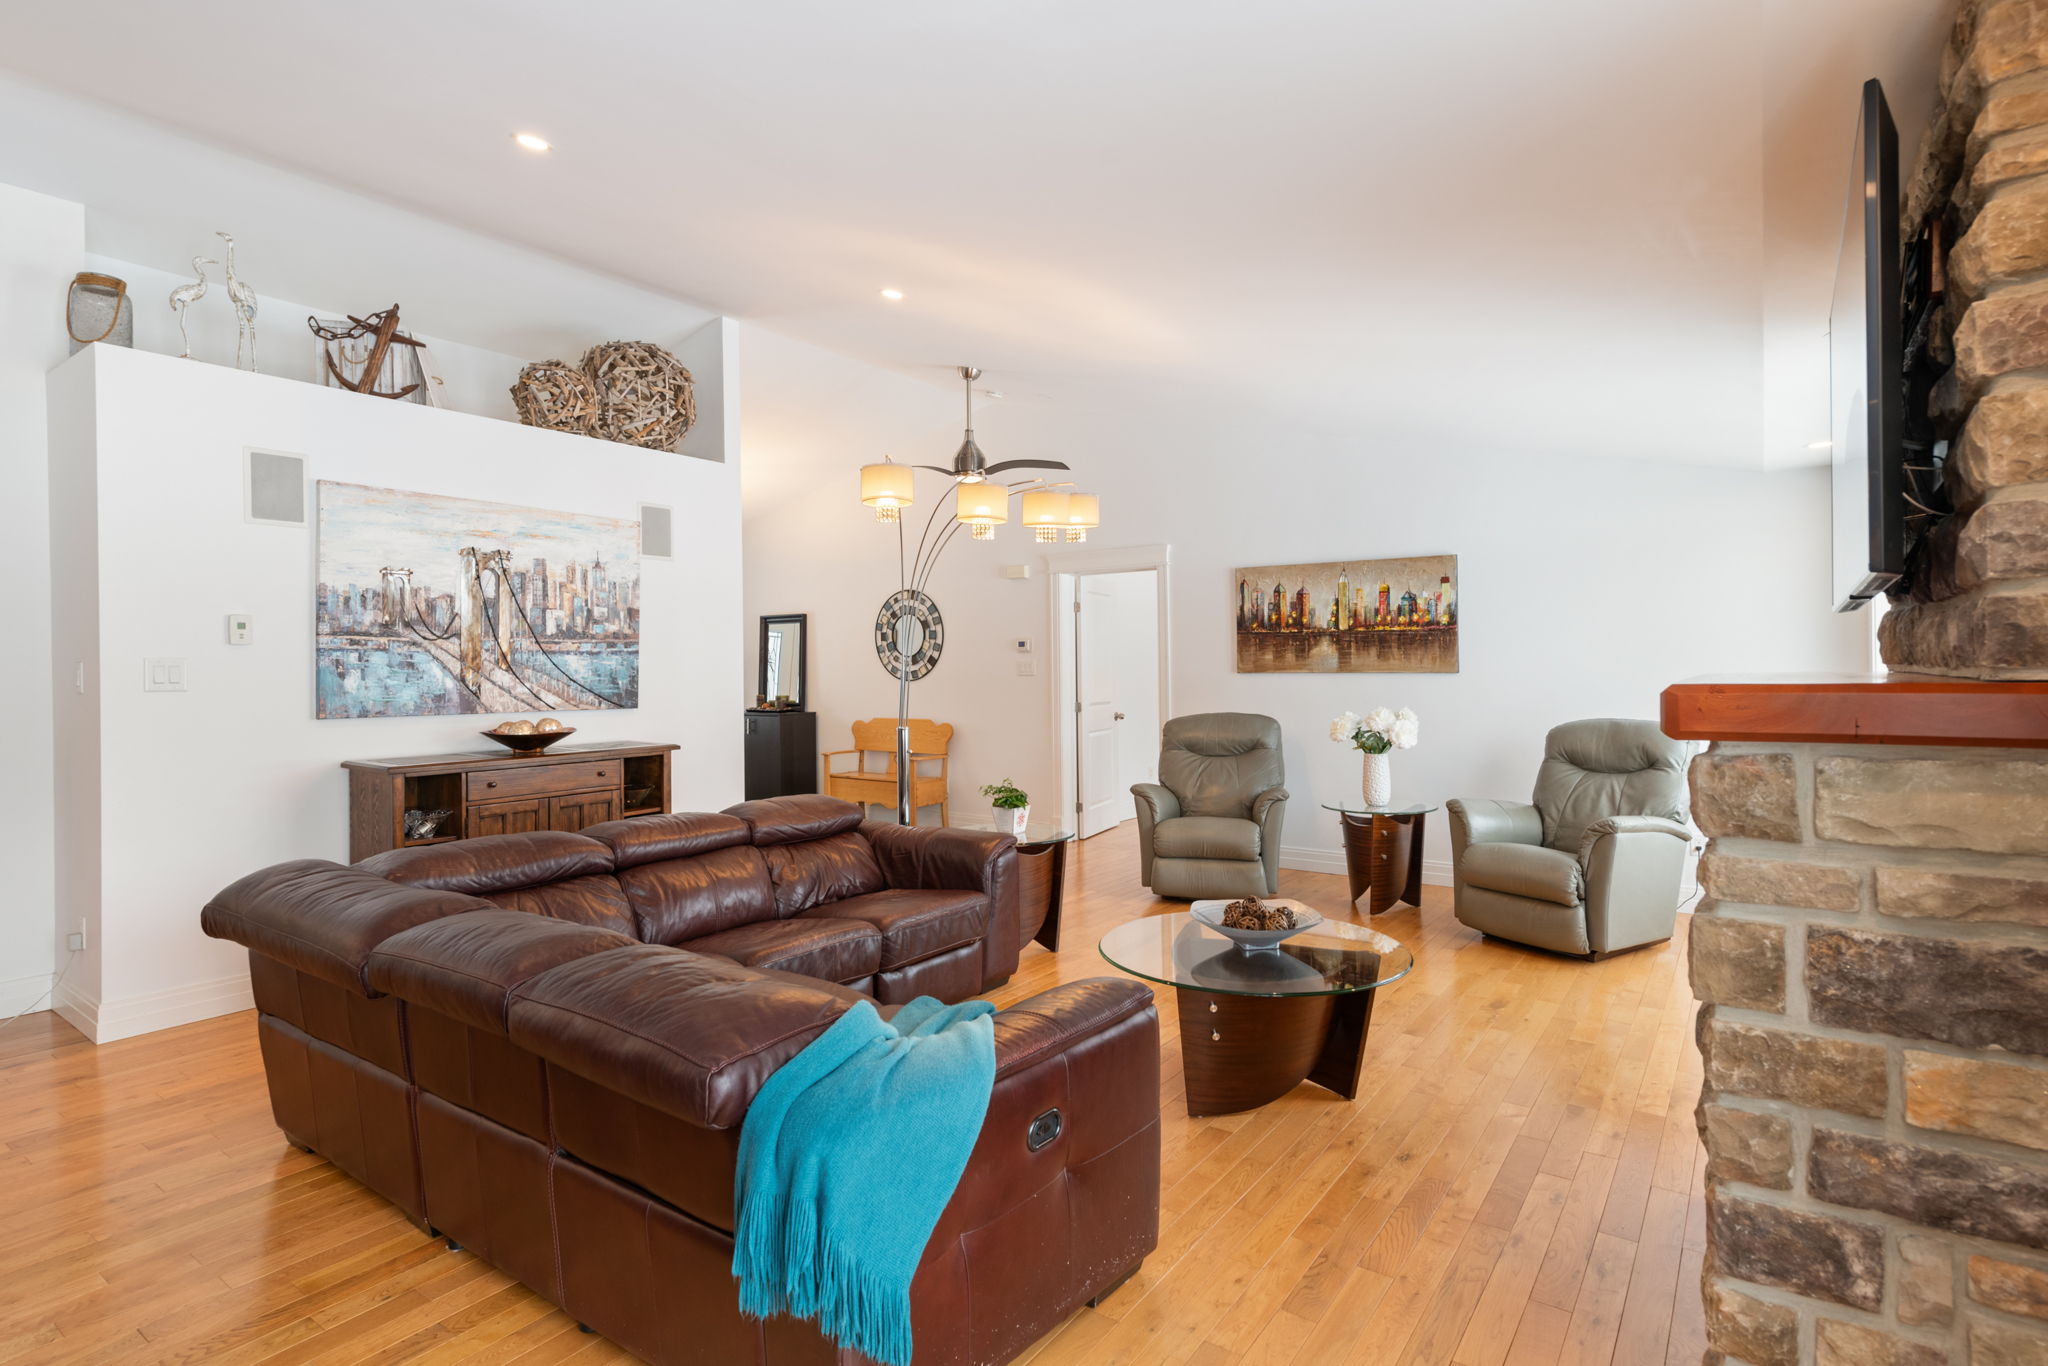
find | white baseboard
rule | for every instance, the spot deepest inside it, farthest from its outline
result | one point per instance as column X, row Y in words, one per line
column 17, row 994
column 106, row 1021
column 1435, row 872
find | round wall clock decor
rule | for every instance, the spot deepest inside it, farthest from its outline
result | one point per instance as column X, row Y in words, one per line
column 910, row 620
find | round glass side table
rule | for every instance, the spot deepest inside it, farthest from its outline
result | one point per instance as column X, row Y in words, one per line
column 1256, row 1024
column 1383, row 852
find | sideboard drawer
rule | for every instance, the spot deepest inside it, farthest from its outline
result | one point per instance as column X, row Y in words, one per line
column 499, row 784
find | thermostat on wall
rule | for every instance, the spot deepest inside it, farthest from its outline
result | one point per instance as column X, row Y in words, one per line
column 239, row 625
column 1022, row 645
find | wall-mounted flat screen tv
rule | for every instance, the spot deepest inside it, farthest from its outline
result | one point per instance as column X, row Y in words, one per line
column 1865, row 364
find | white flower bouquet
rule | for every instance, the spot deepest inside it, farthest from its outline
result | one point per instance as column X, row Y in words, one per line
column 1377, row 731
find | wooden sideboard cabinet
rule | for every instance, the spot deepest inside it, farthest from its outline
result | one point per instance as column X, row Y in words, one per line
column 566, row 788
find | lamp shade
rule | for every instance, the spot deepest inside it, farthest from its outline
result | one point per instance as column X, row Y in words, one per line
column 1084, row 513
column 1045, row 512
column 886, row 488
column 983, row 507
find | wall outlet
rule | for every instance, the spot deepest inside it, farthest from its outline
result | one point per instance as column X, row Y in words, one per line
column 76, row 941
column 163, row 675
column 239, row 626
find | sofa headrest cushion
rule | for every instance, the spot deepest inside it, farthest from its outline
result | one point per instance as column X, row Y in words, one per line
column 654, row 839
column 467, row 966
column 792, row 820
column 322, row 918
column 494, row 863
column 689, row 1034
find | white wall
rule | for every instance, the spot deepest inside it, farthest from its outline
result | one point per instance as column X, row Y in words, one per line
column 1585, row 586
column 41, row 243
column 198, row 788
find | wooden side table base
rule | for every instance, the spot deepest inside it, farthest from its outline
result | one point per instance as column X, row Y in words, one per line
column 1239, row 1052
column 1383, row 856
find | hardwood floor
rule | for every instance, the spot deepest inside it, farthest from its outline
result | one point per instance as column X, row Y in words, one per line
column 1518, row 1183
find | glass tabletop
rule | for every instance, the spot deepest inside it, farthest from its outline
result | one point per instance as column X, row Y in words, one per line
column 1360, row 809
column 1045, row 831
column 1333, row 958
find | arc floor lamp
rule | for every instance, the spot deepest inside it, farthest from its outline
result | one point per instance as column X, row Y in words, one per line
column 909, row 632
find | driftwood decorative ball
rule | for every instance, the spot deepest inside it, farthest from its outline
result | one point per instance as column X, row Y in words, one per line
column 556, row 395
column 644, row 395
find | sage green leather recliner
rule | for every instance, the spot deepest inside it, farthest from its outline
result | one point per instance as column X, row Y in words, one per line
column 1595, row 863
column 1210, row 827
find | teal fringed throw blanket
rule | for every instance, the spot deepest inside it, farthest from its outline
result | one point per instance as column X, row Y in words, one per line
column 847, row 1157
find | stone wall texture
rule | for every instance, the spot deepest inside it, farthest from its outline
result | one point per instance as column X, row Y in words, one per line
column 1871, row 960
column 1979, row 607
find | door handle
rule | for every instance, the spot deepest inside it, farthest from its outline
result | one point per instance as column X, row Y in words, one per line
column 1119, row 716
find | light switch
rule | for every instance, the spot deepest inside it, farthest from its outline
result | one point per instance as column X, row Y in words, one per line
column 239, row 624
column 1026, row 668
column 163, row 675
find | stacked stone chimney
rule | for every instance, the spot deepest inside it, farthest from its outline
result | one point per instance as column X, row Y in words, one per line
column 1873, row 961
column 1980, row 608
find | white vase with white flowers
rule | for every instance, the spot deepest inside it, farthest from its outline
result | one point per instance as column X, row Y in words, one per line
column 1377, row 734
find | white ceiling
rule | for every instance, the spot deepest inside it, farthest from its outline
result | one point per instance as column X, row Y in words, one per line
column 1577, row 226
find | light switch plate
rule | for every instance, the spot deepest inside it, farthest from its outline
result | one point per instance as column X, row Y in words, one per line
column 163, row 675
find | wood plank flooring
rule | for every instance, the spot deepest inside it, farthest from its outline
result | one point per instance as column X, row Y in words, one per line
column 1518, row 1184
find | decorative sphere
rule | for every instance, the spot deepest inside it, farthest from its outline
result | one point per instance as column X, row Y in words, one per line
column 547, row 725
column 515, row 728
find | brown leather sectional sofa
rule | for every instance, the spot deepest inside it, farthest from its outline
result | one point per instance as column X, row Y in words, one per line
column 542, row 1046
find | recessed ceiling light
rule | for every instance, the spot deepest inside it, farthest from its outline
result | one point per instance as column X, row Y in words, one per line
column 532, row 142
column 893, row 295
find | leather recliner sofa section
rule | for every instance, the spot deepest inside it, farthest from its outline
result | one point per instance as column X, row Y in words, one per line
column 543, row 1047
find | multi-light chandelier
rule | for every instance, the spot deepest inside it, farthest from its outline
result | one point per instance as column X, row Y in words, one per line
column 1052, row 511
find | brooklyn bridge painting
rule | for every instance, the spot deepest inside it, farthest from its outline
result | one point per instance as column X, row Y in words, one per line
column 1356, row 616
column 432, row 606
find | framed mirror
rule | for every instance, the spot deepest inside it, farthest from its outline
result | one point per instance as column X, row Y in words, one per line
column 782, row 663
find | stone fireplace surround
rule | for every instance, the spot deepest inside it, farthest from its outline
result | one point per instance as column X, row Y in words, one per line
column 1872, row 961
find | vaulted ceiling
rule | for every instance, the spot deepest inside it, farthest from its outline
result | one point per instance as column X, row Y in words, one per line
column 1597, row 226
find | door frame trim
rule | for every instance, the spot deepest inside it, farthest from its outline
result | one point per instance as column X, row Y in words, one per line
column 1061, row 572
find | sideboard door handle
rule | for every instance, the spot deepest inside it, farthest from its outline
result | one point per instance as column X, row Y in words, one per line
column 600, row 773
column 492, row 783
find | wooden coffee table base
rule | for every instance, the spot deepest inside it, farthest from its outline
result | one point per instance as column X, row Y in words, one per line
column 1239, row 1052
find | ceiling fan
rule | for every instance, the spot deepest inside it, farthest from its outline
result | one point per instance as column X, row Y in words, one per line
column 969, row 465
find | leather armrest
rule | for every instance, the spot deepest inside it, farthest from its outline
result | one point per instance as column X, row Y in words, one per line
column 1265, row 801
column 1045, row 1025
column 1155, row 803
column 323, row 918
column 1480, row 820
column 939, row 858
column 1629, row 825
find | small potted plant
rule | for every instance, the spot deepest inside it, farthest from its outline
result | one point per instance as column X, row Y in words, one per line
column 1010, row 806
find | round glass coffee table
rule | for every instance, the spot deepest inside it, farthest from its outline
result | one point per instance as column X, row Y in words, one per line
column 1256, row 1024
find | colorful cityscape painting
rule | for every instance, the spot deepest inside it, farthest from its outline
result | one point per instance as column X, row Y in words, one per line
column 432, row 606
column 1356, row 616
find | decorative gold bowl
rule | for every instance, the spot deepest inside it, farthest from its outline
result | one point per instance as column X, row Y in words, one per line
column 529, row 742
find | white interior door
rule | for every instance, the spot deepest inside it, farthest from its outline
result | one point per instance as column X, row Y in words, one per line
column 1116, row 691
column 1096, row 718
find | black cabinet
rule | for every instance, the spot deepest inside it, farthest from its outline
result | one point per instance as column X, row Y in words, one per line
column 782, row 753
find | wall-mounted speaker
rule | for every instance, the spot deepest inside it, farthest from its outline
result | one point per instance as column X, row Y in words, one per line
column 656, row 532
column 273, row 487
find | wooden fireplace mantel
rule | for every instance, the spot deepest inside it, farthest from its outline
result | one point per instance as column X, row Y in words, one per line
column 1865, row 709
